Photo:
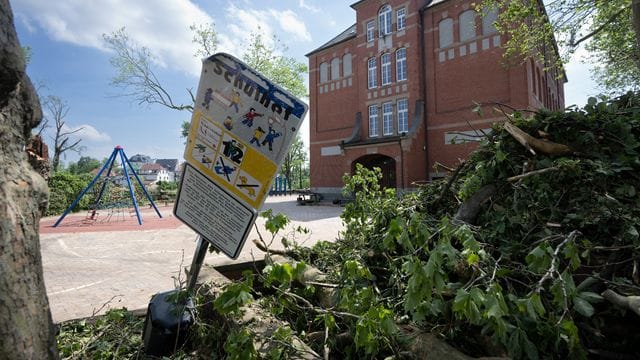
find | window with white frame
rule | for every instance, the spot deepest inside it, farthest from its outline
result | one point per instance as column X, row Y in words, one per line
column 384, row 20
column 401, row 18
column 324, row 72
column 403, row 116
column 445, row 30
column 489, row 18
column 335, row 68
column 346, row 65
column 467, row 25
column 373, row 121
column 387, row 118
column 373, row 79
column 371, row 28
column 385, row 66
column 401, row 64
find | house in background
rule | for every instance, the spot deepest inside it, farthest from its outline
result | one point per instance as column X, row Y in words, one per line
column 153, row 172
column 396, row 90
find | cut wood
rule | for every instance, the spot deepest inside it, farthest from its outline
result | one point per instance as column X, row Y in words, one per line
column 534, row 144
column 628, row 302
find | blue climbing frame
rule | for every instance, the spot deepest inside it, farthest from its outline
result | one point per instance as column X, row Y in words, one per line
column 117, row 151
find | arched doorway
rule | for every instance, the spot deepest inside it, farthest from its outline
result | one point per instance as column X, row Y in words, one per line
column 385, row 163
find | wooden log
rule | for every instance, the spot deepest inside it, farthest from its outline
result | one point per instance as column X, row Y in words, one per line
column 260, row 321
column 534, row 144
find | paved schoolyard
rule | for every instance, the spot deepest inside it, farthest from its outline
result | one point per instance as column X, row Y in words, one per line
column 114, row 262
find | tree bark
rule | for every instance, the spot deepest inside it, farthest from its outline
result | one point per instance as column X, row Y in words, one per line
column 26, row 327
column 635, row 20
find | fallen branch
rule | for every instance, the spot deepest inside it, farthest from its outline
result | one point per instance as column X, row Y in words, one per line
column 468, row 211
column 533, row 144
column 262, row 246
column 628, row 302
column 532, row 173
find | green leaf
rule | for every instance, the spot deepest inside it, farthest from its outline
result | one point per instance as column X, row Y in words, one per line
column 583, row 307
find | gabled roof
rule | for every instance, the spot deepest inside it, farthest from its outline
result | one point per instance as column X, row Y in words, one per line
column 150, row 168
column 169, row 164
column 350, row 33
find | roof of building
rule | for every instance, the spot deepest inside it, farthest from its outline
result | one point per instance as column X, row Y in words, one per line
column 343, row 36
column 151, row 167
column 169, row 164
column 140, row 158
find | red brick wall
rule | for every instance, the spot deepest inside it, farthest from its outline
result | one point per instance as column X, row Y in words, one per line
column 444, row 92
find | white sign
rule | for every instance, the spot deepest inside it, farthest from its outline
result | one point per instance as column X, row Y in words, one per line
column 240, row 132
column 215, row 215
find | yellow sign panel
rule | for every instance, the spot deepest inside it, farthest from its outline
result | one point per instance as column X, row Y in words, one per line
column 229, row 160
column 241, row 129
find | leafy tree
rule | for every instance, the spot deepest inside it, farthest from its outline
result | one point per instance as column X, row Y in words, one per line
column 268, row 60
column 610, row 30
column 84, row 165
column 295, row 159
column 136, row 77
column 57, row 110
column 64, row 187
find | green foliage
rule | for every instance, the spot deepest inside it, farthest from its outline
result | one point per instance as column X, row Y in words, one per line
column 116, row 335
column 605, row 27
column 234, row 296
column 267, row 57
column 239, row 346
column 64, row 188
column 84, row 165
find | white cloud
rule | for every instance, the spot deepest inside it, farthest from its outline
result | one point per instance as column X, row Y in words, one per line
column 160, row 25
column 86, row 133
column 290, row 23
column 303, row 4
column 243, row 21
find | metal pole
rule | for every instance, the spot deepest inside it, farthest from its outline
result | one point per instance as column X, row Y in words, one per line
column 112, row 158
column 133, row 171
column 131, row 192
column 196, row 263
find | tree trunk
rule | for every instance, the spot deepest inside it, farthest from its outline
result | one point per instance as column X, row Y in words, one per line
column 635, row 20
column 26, row 328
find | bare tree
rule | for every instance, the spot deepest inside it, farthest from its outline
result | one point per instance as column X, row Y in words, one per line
column 135, row 73
column 57, row 110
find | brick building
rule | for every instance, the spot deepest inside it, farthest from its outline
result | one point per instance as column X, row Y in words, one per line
column 396, row 90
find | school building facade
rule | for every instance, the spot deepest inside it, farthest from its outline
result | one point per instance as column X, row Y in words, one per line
column 396, row 90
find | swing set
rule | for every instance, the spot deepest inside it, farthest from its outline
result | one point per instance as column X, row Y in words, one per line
column 111, row 196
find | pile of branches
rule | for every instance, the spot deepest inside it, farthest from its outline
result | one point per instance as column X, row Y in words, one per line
column 530, row 249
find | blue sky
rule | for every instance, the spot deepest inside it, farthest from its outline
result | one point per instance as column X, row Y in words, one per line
column 70, row 59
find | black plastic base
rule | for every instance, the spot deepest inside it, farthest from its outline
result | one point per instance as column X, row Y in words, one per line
column 167, row 323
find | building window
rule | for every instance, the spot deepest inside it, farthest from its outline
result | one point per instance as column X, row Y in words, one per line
column 445, row 30
column 385, row 66
column 401, row 18
column 346, row 65
column 467, row 25
column 387, row 118
column 489, row 21
column 371, row 27
column 403, row 116
column 373, row 121
column 401, row 64
column 324, row 72
column 335, row 69
column 384, row 20
column 373, row 80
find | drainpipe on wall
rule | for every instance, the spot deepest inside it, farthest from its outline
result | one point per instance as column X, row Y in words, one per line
column 423, row 82
column 401, row 164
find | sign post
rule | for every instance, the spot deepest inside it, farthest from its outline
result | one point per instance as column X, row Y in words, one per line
column 241, row 130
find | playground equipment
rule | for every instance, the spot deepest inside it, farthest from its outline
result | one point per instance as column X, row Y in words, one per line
column 116, row 202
